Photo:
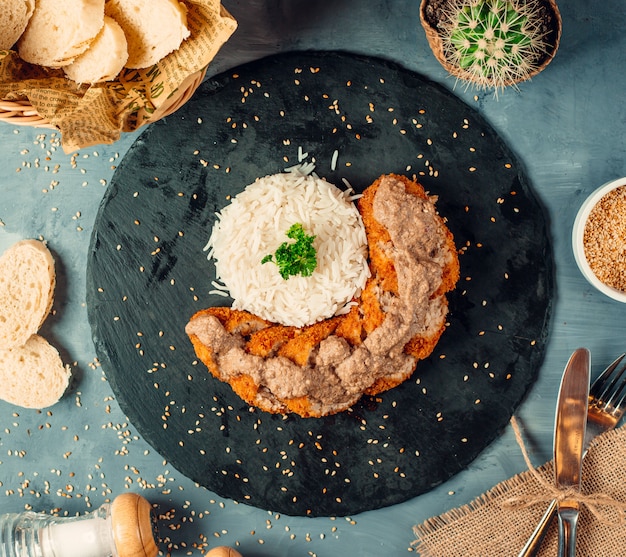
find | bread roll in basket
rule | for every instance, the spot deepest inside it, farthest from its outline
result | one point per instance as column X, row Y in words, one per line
column 145, row 61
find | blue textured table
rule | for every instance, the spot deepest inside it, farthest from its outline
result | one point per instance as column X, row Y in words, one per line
column 567, row 128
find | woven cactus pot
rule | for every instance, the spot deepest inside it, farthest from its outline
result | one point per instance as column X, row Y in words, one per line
column 432, row 13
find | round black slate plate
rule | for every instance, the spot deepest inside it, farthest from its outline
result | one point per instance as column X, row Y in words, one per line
column 148, row 274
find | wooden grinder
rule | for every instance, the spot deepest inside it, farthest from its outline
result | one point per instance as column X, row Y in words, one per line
column 133, row 526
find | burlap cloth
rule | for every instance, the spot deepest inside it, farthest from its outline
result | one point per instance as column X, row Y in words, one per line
column 499, row 522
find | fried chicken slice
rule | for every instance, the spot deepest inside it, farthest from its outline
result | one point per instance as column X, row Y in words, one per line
column 263, row 340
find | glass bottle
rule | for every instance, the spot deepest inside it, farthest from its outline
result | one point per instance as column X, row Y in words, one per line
column 126, row 527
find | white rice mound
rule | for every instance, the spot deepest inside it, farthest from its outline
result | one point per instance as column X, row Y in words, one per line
column 255, row 224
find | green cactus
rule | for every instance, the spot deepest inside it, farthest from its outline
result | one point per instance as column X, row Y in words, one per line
column 494, row 42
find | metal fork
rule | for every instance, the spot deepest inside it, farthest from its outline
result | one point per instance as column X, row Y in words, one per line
column 606, row 407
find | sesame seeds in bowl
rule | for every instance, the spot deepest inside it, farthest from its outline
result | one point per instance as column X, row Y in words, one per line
column 599, row 239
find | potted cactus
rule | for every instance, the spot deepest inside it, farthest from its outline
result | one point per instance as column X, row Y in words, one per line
column 492, row 44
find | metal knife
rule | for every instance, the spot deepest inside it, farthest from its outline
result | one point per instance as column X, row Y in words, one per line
column 569, row 436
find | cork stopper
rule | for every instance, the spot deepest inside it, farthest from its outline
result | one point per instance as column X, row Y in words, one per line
column 132, row 524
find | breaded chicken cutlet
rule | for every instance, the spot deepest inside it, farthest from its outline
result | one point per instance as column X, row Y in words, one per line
column 398, row 319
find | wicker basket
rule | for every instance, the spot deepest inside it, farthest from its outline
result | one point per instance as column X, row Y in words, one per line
column 21, row 113
column 436, row 44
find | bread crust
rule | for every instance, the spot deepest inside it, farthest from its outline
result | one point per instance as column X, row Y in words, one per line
column 104, row 59
column 299, row 345
column 60, row 30
column 27, row 282
column 14, row 17
column 33, row 375
column 153, row 28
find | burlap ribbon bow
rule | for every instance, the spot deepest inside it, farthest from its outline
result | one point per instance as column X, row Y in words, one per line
column 499, row 522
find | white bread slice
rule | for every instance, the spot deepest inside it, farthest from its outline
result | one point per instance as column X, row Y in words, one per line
column 27, row 281
column 60, row 30
column 14, row 16
column 153, row 28
column 33, row 375
column 105, row 57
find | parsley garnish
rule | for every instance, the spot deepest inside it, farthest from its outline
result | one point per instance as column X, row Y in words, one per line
column 295, row 258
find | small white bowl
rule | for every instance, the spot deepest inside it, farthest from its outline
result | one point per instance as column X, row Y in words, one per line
column 577, row 240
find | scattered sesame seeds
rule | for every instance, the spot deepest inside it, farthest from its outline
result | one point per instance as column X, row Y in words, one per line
column 136, row 478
